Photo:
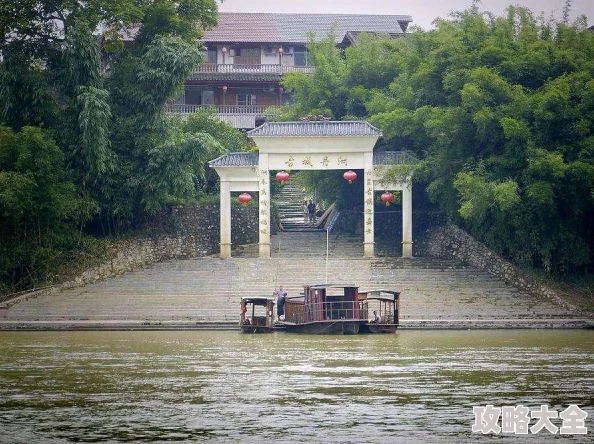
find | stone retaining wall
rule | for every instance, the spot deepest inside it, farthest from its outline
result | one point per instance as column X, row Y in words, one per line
column 449, row 241
column 183, row 233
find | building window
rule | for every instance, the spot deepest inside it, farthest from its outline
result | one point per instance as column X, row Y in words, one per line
column 246, row 99
column 193, row 95
column 300, row 56
column 212, row 55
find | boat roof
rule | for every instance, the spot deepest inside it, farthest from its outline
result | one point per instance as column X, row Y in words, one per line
column 320, row 286
column 257, row 300
column 381, row 294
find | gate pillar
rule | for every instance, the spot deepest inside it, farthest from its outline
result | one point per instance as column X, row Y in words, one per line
column 368, row 211
column 225, row 222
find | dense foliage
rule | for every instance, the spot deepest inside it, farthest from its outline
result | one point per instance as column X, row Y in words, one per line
column 86, row 147
column 501, row 112
column 499, row 109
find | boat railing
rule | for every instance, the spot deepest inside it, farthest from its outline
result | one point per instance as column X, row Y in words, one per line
column 385, row 310
column 301, row 313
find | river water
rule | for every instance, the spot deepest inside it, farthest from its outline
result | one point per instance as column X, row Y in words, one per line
column 226, row 387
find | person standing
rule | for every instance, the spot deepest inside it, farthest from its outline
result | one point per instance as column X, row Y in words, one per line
column 280, row 301
column 319, row 210
column 311, row 210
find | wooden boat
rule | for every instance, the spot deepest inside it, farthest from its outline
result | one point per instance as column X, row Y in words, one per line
column 339, row 309
column 256, row 314
column 384, row 307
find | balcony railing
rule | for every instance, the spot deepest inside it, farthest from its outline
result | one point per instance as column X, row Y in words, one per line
column 238, row 116
column 251, row 69
column 219, row 109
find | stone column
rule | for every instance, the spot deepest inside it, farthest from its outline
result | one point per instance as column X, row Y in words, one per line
column 264, row 207
column 368, row 215
column 407, row 219
column 225, row 244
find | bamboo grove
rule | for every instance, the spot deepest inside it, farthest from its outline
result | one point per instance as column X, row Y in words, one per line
column 500, row 111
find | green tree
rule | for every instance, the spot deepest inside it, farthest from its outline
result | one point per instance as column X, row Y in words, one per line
column 38, row 207
column 323, row 92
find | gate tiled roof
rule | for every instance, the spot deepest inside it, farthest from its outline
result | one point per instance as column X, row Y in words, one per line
column 316, row 129
column 235, row 160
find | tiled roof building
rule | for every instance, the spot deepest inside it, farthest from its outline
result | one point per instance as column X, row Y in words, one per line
column 248, row 54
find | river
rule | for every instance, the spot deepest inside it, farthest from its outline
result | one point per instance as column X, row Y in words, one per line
column 225, row 387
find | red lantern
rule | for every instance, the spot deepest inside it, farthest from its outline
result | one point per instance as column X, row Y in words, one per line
column 350, row 176
column 282, row 177
column 244, row 198
column 388, row 198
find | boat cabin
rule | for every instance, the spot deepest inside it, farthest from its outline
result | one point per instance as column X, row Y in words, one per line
column 326, row 308
column 341, row 309
column 256, row 314
column 381, row 309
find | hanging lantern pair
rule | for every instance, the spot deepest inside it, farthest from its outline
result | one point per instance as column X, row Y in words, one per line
column 388, row 198
column 350, row 176
column 282, row 177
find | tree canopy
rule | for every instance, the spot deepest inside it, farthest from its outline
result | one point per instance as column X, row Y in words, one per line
column 499, row 110
column 86, row 146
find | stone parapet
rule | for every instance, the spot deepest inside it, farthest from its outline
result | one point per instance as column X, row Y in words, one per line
column 449, row 241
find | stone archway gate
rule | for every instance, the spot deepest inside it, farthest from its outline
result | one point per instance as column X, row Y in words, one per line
column 307, row 145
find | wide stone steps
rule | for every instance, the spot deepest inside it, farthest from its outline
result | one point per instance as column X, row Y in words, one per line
column 208, row 291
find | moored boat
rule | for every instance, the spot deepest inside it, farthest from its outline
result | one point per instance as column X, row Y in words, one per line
column 340, row 309
column 256, row 314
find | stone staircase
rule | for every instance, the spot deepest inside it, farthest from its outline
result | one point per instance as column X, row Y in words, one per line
column 290, row 204
column 206, row 292
column 308, row 244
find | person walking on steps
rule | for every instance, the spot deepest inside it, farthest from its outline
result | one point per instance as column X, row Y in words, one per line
column 311, row 210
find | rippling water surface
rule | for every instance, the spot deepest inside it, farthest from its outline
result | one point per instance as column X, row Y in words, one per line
column 224, row 387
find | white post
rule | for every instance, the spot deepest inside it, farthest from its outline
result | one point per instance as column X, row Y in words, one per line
column 407, row 240
column 225, row 222
column 327, row 240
